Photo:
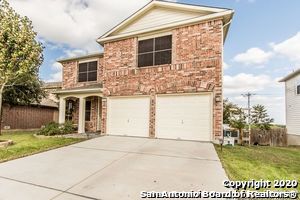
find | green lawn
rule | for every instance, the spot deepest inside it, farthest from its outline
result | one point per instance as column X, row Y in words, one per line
column 257, row 162
column 26, row 144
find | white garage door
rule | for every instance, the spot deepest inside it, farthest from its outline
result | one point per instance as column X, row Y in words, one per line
column 128, row 116
column 186, row 117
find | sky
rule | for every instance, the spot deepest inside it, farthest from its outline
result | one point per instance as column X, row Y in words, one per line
column 263, row 43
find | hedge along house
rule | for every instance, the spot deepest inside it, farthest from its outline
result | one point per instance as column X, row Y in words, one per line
column 160, row 75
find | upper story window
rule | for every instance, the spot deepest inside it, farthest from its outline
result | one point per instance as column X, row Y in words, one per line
column 155, row 51
column 298, row 87
column 87, row 71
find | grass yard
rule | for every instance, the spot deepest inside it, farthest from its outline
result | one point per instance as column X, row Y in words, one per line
column 257, row 162
column 26, row 144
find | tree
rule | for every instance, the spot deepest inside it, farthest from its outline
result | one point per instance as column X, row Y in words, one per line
column 228, row 109
column 238, row 121
column 27, row 90
column 260, row 117
column 234, row 116
column 20, row 58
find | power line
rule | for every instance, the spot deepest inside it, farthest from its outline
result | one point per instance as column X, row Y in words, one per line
column 248, row 96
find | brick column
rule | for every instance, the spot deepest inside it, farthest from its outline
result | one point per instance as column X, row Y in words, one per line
column 103, row 116
column 152, row 115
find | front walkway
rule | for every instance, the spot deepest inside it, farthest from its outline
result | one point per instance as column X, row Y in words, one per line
column 112, row 168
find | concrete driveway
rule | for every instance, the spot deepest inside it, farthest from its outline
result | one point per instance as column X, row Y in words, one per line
column 112, row 168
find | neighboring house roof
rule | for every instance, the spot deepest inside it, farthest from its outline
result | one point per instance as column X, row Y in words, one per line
column 94, row 55
column 47, row 103
column 52, row 85
column 50, row 99
column 161, row 15
column 291, row 75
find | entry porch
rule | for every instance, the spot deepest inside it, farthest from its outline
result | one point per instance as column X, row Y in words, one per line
column 82, row 106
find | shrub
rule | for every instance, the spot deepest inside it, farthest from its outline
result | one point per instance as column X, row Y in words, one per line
column 67, row 128
column 54, row 128
column 50, row 129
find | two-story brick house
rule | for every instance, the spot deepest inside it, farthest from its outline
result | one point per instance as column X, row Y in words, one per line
column 160, row 75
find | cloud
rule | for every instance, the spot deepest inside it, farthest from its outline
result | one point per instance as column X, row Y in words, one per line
column 267, row 90
column 275, row 104
column 225, row 65
column 75, row 23
column 56, row 76
column 289, row 48
column 74, row 52
column 242, row 83
column 255, row 56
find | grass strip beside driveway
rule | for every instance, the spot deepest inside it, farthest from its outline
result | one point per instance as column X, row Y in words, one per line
column 26, row 144
column 243, row 163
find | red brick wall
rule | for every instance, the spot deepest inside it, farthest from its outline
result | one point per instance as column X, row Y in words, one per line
column 70, row 74
column 70, row 80
column 196, row 67
column 91, row 125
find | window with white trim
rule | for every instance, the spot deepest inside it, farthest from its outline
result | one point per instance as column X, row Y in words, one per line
column 87, row 71
column 155, row 51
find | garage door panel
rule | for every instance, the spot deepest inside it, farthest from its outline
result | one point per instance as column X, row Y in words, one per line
column 129, row 116
column 183, row 116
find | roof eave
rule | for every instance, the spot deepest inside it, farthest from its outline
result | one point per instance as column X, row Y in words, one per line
column 78, row 91
column 168, row 26
column 291, row 75
column 226, row 29
column 154, row 3
column 96, row 55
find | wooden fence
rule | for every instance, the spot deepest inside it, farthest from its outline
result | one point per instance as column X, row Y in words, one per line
column 27, row 117
column 273, row 137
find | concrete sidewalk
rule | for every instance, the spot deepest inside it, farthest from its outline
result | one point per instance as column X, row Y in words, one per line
column 112, row 168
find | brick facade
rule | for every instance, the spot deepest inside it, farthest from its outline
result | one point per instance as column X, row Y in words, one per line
column 90, row 126
column 70, row 74
column 196, row 67
column 70, row 81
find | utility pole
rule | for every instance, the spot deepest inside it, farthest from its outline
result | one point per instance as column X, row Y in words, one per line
column 249, row 95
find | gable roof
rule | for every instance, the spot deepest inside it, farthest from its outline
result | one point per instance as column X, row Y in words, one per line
column 94, row 55
column 160, row 15
column 291, row 75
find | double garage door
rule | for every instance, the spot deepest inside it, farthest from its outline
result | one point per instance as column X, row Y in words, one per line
column 186, row 117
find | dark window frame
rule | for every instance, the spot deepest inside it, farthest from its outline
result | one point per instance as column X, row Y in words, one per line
column 298, row 89
column 88, row 72
column 154, row 51
column 88, row 112
column 70, row 104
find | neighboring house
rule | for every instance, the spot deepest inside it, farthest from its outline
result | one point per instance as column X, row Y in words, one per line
column 292, row 101
column 33, row 116
column 160, row 75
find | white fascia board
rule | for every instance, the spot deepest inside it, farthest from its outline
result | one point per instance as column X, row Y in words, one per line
column 78, row 91
column 166, row 26
column 188, row 7
column 192, row 8
column 128, row 20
